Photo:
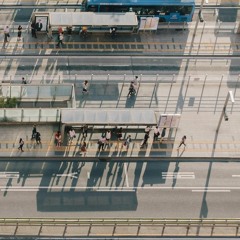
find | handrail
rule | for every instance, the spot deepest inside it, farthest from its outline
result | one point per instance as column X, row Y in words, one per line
column 121, row 221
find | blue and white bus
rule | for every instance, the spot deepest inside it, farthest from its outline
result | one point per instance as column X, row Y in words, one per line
column 166, row 10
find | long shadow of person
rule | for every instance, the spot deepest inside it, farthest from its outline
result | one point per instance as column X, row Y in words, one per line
column 130, row 102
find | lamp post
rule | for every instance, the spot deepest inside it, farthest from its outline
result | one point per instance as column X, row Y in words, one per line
column 224, row 113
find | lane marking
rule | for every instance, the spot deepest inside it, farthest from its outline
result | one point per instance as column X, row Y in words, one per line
column 235, row 175
column 72, row 175
column 126, row 175
column 178, row 175
column 213, row 190
column 9, row 174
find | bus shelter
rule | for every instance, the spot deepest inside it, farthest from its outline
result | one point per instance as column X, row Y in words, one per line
column 98, row 22
column 107, row 117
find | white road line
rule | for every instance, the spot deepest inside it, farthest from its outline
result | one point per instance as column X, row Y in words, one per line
column 235, row 175
column 178, row 175
column 213, row 190
column 193, row 189
column 9, row 174
column 126, row 174
column 67, row 175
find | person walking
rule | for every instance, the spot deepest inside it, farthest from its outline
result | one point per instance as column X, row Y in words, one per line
column 127, row 142
column 101, row 142
column 58, row 139
column 183, row 142
column 38, row 138
column 24, row 81
column 156, row 133
column 145, row 140
column 163, row 135
column 85, row 87
column 60, row 40
column 21, row 143
column 84, row 131
column 60, row 30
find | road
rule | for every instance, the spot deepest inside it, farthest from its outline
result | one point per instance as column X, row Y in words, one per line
column 100, row 189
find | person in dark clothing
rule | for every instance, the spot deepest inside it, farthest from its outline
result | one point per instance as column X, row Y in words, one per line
column 144, row 142
column 34, row 131
column 163, row 134
column 38, row 138
column 19, row 32
column 33, row 30
column 21, row 143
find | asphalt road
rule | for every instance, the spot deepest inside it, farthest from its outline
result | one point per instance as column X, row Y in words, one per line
column 153, row 189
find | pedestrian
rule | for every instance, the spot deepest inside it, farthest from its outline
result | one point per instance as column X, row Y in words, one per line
column 163, row 135
column 156, row 133
column 49, row 32
column 60, row 30
column 119, row 137
column 19, row 32
column 60, row 40
column 84, row 131
column 127, row 142
column 6, row 34
column 84, row 149
column 147, row 129
column 145, row 140
column 85, row 87
column 71, row 135
column 21, row 143
column 39, row 25
column 69, row 30
column 108, row 137
column 58, row 139
column 112, row 31
column 131, row 90
column 101, row 142
column 183, row 142
column 24, row 81
column 33, row 29
column 34, row 131
column 38, row 138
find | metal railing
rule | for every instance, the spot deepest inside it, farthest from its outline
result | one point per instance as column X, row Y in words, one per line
column 121, row 226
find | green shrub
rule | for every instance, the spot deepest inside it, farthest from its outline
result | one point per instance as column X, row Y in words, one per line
column 8, row 102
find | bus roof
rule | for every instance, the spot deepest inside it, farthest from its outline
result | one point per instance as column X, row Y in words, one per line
column 140, row 2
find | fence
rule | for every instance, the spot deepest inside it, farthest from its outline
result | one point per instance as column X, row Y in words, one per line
column 119, row 227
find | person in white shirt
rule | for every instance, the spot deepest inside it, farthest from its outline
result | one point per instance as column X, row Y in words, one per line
column 71, row 134
column 6, row 34
column 108, row 137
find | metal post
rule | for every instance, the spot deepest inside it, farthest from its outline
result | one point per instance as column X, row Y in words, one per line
column 224, row 109
column 75, row 79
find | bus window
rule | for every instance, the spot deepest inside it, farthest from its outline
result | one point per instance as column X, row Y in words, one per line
column 92, row 8
column 183, row 10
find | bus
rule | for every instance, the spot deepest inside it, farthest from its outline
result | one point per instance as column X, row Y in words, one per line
column 166, row 10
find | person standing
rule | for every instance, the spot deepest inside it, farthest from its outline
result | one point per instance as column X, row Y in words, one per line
column 183, row 142
column 24, row 81
column 108, row 137
column 33, row 29
column 119, row 137
column 71, row 135
column 85, row 87
column 156, row 133
column 34, row 131
column 84, row 131
column 101, row 142
column 21, row 143
column 49, row 33
column 19, row 32
column 39, row 25
column 60, row 30
column 6, row 34
column 84, row 149
column 60, row 40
